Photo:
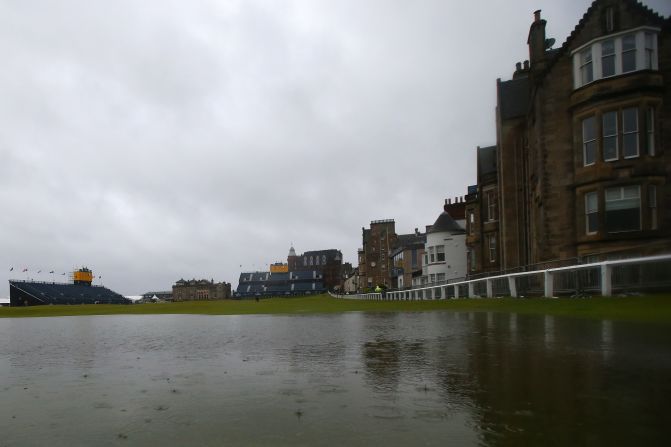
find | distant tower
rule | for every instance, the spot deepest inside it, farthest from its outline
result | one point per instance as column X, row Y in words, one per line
column 83, row 276
column 292, row 259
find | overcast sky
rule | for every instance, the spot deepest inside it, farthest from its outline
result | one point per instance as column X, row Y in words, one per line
column 155, row 140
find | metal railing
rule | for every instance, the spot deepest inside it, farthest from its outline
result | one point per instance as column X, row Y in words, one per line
column 651, row 273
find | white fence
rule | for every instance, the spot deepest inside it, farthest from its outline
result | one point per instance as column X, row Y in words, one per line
column 602, row 278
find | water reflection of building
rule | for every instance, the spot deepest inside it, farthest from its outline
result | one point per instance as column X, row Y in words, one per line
column 382, row 359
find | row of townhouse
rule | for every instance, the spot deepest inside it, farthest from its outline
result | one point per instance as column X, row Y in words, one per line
column 580, row 170
column 400, row 261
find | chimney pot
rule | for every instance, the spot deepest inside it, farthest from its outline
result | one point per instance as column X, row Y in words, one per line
column 537, row 15
column 526, row 64
column 518, row 66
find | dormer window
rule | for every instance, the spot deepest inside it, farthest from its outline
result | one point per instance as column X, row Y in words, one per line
column 616, row 55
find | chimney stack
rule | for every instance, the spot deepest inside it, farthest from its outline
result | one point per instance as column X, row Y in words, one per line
column 536, row 42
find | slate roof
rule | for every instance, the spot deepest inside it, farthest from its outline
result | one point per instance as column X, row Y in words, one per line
column 445, row 223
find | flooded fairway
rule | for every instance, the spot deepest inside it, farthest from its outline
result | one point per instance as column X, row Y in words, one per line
column 431, row 378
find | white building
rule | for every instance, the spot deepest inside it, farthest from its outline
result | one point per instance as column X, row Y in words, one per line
column 445, row 251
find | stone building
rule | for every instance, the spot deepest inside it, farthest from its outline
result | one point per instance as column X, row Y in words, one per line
column 200, row 289
column 444, row 251
column 311, row 272
column 328, row 263
column 374, row 262
column 583, row 142
column 351, row 281
column 407, row 256
column 482, row 216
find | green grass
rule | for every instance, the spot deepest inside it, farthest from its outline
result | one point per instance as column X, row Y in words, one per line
column 650, row 308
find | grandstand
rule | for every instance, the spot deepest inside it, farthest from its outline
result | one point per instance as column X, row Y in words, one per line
column 34, row 293
column 253, row 284
column 28, row 293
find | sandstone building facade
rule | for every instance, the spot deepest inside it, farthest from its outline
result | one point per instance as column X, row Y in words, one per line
column 200, row 289
column 583, row 156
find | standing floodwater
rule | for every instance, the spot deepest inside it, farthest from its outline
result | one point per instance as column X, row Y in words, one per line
column 349, row 379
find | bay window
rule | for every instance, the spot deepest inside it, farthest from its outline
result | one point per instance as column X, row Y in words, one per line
column 618, row 54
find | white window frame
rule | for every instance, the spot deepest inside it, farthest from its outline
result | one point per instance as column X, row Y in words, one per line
column 646, row 54
column 586, row 66
column 605, row 56
column 440, row 250
column 590, row 209
column 611, row 136
column 586, row 142
column 627, row 52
